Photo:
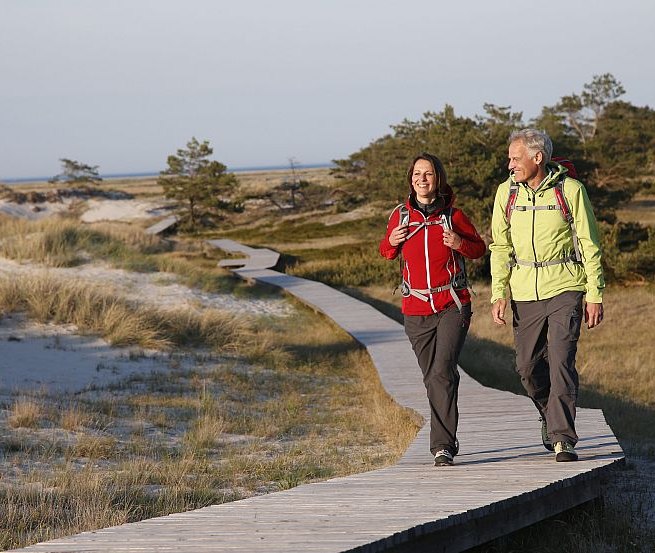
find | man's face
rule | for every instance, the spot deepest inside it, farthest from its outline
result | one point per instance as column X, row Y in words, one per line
column 522, row 164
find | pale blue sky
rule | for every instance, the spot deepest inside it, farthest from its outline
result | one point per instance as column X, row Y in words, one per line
column 123, row 83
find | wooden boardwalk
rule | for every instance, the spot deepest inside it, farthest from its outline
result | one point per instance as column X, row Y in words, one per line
column 163, row 225
column 503, row 479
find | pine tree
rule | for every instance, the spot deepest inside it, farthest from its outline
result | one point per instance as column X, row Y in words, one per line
column 200, row 185
column 74, row 172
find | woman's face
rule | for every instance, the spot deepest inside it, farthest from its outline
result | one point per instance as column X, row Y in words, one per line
column 424, row 181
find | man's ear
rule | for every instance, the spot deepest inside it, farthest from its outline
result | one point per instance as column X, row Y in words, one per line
column 538, row 158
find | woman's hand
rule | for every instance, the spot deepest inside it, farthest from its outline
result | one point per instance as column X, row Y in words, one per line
column 452, row 239
column 398, row 235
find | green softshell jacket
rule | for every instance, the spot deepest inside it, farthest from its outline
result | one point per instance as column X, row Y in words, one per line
column 544, row 235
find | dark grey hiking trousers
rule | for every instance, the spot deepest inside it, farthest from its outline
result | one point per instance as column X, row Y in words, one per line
column 437, row 341
column 546, row 336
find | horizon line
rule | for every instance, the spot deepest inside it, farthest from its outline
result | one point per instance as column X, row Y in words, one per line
column 143, row 174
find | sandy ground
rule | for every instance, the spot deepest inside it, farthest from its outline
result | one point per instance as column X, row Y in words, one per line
column 123, row 210
column 55, row 359
column 96, row 210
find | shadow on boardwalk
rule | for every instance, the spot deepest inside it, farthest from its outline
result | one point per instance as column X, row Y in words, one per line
column 503, row 479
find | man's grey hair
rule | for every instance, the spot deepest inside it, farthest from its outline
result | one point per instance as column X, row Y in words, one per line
column 535, row 141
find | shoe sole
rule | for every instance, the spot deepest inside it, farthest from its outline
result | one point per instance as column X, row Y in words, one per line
column 443, row 463
column 565, row 457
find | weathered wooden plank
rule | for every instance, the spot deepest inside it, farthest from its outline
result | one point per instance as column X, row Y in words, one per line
column 162, row 225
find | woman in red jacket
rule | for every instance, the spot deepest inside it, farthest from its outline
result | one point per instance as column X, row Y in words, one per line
column 434, row 237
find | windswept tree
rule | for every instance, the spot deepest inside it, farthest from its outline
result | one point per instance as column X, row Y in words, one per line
column 202, row 186
column 610, row 141
column 74, row 172
column 291, row 189
column 579, row 114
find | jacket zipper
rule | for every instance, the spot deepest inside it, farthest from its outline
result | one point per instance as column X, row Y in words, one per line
column 534, row 250
column 426, row 254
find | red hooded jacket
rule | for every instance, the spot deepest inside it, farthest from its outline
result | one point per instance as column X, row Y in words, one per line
column 427, row 262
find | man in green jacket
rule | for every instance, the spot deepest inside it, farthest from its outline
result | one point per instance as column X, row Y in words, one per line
column 549, row 259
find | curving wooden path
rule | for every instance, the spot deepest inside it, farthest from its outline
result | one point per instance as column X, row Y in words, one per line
column 503, row 478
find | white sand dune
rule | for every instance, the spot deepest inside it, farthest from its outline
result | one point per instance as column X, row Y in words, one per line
column 124, row 210
column 33, row 211
column 55, row 359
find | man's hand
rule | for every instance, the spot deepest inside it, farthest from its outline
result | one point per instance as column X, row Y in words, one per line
column 593, row 314
column 498, row 311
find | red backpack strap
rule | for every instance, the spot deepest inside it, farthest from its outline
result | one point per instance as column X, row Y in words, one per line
column 511, row 200
column 565, row 210
column 561, row 201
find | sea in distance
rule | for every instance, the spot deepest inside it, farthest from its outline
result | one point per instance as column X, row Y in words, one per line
column 156, row 174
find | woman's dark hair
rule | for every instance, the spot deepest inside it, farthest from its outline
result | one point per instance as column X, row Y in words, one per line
column 440, row 172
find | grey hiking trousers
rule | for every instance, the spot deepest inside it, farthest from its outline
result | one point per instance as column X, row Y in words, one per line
column 437, row 341
column 546, row 336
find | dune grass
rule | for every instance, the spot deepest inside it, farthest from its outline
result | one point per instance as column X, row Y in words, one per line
column 24, row 413
column 92, row 309
column 63, row 242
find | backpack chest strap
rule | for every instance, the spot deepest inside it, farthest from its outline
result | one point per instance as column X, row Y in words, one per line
column 425, row 224
column 554, row 207
column 536, row 264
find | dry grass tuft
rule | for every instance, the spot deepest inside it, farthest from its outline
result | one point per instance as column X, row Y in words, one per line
column 205, row 432
column 24, row 413
column 60, row 242
column 94, row 447
column 74, row 418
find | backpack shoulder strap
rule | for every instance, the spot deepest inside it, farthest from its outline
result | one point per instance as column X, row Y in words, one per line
column 459, row 280
column 511, row 201
column 565, row 210
column 402, row 211
column 404, row 214
column 558, row 189
column 447, row 218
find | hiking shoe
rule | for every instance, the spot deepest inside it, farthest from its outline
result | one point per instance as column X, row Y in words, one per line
column 548, row 444
column 443, row 458
column 564, row 451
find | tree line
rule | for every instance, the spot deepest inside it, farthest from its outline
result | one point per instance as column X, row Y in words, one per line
column 610, row 141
